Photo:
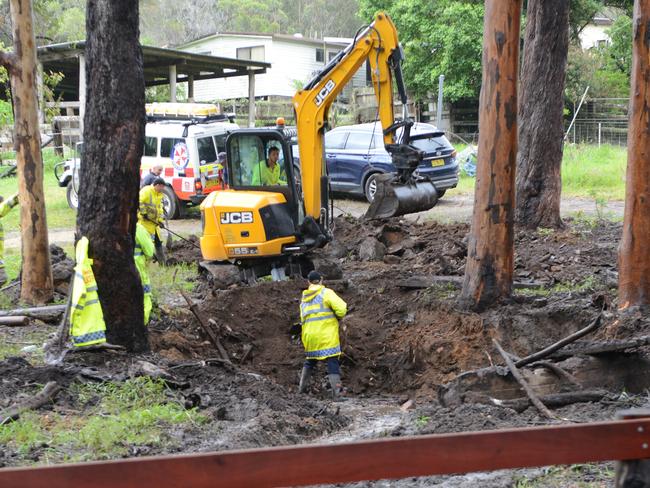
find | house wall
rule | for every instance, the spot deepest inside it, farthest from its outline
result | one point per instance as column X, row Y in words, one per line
column 290, row 62
column 594, row 34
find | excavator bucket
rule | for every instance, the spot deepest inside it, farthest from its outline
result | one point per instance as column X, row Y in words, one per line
column 394, row 198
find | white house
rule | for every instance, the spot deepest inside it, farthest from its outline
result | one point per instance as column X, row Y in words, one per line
column 595, row 34
column 294, row 61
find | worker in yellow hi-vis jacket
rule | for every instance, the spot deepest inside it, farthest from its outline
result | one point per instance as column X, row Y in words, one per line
column 320, row 311
column 144, row 250
column 5, row 207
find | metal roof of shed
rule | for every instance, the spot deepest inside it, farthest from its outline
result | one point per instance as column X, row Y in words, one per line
column 64, row 58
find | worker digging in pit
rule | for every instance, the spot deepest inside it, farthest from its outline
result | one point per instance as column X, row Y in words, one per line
column 320, row 311
column 5, row 207
column 151, row 214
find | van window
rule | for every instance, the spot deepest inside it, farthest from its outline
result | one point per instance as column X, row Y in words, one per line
column 220, row 142
column 207, row 153
column 359, row 140
column 150, row 146
column 335, row 140
column 167, row 146
column 432, row 144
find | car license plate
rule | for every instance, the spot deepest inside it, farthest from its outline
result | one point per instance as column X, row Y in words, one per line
column 438, row 162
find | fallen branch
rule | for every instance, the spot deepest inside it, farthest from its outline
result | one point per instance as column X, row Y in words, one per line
column 547, row 351
column 595, row 348
column 44, row 313
column 206, row 327
column 553, row 401
column 38, row 400
column 520, row 379
column 15, row 321
column 104, row 346
column 558, row 371
column 55, row 348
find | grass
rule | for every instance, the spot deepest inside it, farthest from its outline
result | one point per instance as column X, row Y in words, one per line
column 59, row 215
column 164, row 280
column 36, row 337
column 115, row 418
column 588, row 171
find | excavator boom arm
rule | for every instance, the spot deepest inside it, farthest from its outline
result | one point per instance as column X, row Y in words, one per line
column 378, row 43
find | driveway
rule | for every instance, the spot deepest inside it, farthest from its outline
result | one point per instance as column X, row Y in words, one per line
column 452, row 208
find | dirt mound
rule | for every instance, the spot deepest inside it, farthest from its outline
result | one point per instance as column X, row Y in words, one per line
column 181, row 251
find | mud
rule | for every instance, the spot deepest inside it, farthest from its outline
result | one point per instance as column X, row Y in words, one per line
column 400, row 342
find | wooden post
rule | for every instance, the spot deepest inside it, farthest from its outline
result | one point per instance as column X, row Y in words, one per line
column 82, row 94
column 190, row 88
column 251, row 99
column 172, row 83
column 634, row 259
column 489, row 268
column 37, row 286
column 634, row 472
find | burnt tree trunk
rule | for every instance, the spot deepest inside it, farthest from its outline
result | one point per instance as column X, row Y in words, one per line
column 36, row 282
column 634, row 259
column 489, row 268
column 541, row 104
column 109, row 177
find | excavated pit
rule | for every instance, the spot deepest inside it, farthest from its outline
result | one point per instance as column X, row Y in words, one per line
column 404, row 335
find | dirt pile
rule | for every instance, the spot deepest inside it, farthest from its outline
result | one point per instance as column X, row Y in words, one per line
column 184, row 251
column 404, row 339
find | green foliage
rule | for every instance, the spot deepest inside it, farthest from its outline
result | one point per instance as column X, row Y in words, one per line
column 439, row 37
column 618, row 54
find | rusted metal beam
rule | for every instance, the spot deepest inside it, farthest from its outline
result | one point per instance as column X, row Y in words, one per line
column 356, row 461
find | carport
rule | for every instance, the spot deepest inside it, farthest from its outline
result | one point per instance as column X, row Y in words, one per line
column 161, row 67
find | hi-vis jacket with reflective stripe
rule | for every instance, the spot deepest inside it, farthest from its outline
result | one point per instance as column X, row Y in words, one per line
column 319, row 311
column 144, row 249
column 151, row 212
column 5, row 207
column 86, row 318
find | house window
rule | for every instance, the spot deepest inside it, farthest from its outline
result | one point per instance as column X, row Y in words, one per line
column 320, row 55
column 252, row 53
column 331, row 54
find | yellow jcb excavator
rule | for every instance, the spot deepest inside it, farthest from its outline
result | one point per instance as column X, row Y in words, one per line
column 276, row 210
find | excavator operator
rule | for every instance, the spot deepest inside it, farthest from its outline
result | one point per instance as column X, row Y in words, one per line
column 269, row 172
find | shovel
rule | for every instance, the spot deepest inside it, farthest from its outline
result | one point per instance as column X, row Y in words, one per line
column 170, row 240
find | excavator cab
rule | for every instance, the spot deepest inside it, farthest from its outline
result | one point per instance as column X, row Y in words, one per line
column 259, row 222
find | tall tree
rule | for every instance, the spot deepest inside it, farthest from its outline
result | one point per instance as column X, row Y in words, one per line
column 36, row 281
column 489, row 267
column 541, row 104
column 634, row 259
column 113, row 143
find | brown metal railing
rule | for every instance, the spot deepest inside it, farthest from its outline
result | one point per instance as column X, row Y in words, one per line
column 355, row 461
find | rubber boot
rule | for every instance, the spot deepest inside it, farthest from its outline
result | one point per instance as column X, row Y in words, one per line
column 305, row 378
column 335, row 383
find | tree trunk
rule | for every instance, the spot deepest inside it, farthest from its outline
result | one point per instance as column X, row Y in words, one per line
column 113, row 142
column 541, row 104
column 36, row 282
column 489, row 268
column 634, row 259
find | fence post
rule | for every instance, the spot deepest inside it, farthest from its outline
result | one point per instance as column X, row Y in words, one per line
column 600, row 126
column 634, row 472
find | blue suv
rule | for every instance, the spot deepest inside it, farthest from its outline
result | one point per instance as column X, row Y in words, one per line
column 355, row 155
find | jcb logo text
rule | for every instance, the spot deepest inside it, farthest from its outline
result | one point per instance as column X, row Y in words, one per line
column 326, row 90
column 236, row 217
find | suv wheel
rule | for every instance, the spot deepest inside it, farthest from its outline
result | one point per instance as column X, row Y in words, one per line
column 370, row 187
column 72, row 197
column 170, row 203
